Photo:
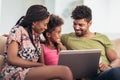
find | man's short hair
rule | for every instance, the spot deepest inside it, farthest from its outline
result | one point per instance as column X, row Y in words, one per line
column 82, row 12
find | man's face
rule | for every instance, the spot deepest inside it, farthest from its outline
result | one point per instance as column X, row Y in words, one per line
column 81, row 27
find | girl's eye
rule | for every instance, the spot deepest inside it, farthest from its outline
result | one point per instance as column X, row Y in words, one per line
column 45, row 24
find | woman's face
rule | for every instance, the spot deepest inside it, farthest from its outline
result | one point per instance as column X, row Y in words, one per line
column 40, row 26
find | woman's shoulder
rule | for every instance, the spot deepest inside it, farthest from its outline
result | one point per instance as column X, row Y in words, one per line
column 17, row 29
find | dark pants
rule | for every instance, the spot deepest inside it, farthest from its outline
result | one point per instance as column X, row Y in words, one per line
column 111, row 74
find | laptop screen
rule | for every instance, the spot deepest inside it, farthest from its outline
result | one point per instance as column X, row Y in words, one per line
column 83, row 63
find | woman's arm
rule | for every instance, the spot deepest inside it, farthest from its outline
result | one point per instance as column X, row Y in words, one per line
column 42, row 55
column 17, row 61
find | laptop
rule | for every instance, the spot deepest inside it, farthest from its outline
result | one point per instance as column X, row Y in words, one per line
column 83, row 63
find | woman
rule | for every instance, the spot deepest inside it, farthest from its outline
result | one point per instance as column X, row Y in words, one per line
column 23, row 50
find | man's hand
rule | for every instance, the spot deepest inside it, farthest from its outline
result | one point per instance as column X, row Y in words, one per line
column 104, row 67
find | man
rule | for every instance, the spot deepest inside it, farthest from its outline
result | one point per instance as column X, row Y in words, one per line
column 83, row 38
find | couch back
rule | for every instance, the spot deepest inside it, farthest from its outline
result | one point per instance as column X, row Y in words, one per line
column 116, row 44
column 2, row 46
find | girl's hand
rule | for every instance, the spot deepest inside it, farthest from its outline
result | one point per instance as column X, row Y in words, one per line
column 60, row 45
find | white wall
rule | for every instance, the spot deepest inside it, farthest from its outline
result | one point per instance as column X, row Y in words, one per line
column 28, row 3
column 105, row 14
column 64, row 10
column 114, row 17
column 0, row 10
column 99, row 13
column 105, row 17
column 50, row 4
column 11, row 11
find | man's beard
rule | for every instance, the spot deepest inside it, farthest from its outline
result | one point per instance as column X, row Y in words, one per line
column 82, row 34
column 79, row 35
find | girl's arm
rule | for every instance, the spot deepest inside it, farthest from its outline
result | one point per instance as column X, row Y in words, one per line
column 61, row 46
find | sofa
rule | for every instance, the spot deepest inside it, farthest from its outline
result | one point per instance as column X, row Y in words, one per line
column 2, row 45
column 116, row 44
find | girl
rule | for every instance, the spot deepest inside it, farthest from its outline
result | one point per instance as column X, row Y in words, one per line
column 52, row 45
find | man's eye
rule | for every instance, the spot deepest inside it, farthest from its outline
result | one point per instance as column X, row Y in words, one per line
column 81, row 25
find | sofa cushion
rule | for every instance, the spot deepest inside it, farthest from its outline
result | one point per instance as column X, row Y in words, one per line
column 2, row 44
column 116, row 44
column 1, row 62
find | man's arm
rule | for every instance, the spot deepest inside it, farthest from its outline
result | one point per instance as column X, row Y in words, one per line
column 113, row 58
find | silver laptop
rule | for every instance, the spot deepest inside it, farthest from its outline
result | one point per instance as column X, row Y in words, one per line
column 83, row 63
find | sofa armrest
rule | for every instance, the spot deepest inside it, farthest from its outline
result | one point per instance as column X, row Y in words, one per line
column 2, row 44
column 116, row 45
column 1, row 62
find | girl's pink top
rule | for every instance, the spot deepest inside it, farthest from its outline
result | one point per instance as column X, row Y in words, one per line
column 50, row 56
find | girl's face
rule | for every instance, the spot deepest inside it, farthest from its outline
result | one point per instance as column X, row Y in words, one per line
column 55, row 35
column 40, row 26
